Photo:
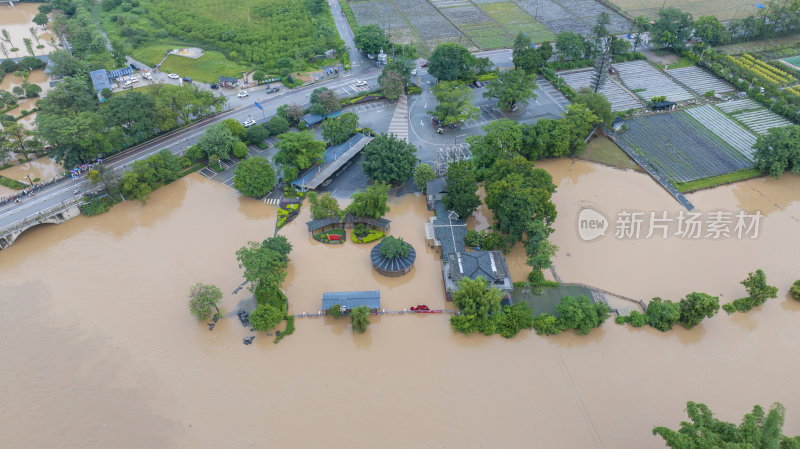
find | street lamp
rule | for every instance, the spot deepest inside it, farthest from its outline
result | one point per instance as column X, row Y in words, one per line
column 29, row 180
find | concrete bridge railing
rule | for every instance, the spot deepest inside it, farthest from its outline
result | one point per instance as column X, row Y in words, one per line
column 55, row 215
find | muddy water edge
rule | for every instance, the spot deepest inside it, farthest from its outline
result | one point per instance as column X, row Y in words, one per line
column 99, row 349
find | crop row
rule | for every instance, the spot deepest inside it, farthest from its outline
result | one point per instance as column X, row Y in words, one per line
column 763, row 64
column 726, row 129
column 764, row 71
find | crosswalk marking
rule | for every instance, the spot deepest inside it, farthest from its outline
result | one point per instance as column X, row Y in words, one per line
column 274, row 201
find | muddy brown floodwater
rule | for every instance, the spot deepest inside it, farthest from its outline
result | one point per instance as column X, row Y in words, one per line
column 18, row 20
column 98, row 348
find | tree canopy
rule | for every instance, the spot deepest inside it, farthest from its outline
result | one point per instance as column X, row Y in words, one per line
column 597, row 103
column 393, row 247
column 672, row 28
column 324, row 101
column 203, row 300
column 462, row 197
column 394, row 78
column 297, row 152
column 371, row 39
column 569, row 45
column 323, row 206
column 756, row 430
column 778, row 151
column 359, row 319
column 662, row 313
column 389, row 160
column 476, row 302
column 372, row 202
column 276, row 125
column 265, row 263
column 695, row 307
column 336, row 130
column 254, row 177
column 581, row 314
column 422, row 174
column 217, row 140
column 512, row 87
column 265, row 317
column 454, row 103
column 450, row 61
column 149, row 174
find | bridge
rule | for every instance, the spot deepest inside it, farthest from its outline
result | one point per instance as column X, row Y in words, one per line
column 54, row 215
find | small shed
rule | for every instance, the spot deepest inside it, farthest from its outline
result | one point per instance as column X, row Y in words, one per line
column 313, row 119
column 664, row 106
column 119, row 73
column 347, row 222
column 228, row 81
column 351, row 300
column 617, row 124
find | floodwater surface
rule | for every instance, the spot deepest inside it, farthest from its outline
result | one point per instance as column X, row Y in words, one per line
column 18, row 20
column 99, row 349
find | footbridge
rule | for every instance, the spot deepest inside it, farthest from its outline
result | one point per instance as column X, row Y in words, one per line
column 54, row 215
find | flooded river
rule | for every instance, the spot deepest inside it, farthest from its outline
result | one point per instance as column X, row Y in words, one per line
column 99, row 349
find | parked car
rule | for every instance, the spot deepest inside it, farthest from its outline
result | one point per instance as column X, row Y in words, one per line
column 360, row 83
column 414, row 72
column 248, row 123
column 271, row 90
column 147, row 75
column 242, row 94
column 173, row 76
column 477, row 83
column 186, row 79
column 424, row 64
column 134, row 67
column 214, row 86
column 134, row 79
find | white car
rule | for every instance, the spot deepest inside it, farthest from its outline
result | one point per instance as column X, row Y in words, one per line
column 414, row 72
column 173, row 76
column 360, row 83
column 242, row 94
column 248, row 123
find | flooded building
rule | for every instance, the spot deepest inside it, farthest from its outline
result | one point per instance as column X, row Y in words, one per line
column 447, row 231
column 351, row 300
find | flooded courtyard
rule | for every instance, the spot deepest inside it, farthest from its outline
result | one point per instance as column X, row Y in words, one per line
column 17, row 20
column 99, row 349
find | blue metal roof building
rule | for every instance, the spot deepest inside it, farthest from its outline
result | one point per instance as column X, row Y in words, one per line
column 117, row 73
column 351, row 300
column 100, row 80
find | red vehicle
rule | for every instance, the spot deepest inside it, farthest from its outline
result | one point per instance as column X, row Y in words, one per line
column 333, row 237
column 421, row 308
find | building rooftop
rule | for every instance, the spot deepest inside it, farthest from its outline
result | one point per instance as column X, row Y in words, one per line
column 116, row 73
column 449, row 229
column 100, row 80
column 437, row 186
column 381, row 223
column 395, row 264
column 351, row 300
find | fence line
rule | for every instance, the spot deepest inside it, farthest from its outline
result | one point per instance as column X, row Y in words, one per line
column 381, row 312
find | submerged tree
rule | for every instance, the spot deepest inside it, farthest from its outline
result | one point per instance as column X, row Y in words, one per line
column 359, row 319
column 203, row 300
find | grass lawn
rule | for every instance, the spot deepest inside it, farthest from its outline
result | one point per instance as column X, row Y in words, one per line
column 603, row 151
column 487, row 35
column 207, row 69
column 515, row 20
column 754, row 46
column 547, row 301
column 152, row 54
column 705, row 183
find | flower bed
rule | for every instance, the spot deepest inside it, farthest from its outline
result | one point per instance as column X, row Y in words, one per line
column 287, row 212
column 334, row 237
column 369, row 236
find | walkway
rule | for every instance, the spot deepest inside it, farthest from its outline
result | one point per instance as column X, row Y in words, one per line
column 399, row 123
column 316, row 176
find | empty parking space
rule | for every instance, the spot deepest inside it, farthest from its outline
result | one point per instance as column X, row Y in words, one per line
column 547, row 89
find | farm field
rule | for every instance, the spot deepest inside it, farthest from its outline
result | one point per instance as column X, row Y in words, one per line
column 680, row 150
column 699, row 81
column 604, row 151
column 752, row 115
column 725, row 128
column 208, row 68
column 620, row 99
column 723, row 10
column 648, row 82
column 794, row 61
column 480, row 24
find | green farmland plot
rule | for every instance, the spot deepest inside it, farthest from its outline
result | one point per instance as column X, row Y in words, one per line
column 487, row 35
column 515, row 20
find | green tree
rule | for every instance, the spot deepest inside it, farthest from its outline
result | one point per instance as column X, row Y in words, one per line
column 297, row 152
column 477, row 303
column 462, row 197
column 265, row 262
column 336, row 130
column 502, row 139
column 372, row 202
column 450, row 62
column 392, row 247
column 546, row 324
column 254, row 177
column 597, row 103
column 62, row 63
column 516, row 200
column 194, row 153
column 40, row 19
column 239, row 150
column 217, row 140
column 640, row 24
column 257, row 134
column 93, row 175
column 237, row 129
column 335, row 311
column 662, row 314
column 778, row 151
column 695, row 307
column 672, row 28
column 794, row 291
column 454, row 103
column 512, row 87
column 28, row 45
column 276, row 125
column 359, row 319
column 515, row 318
column 711, row 30
column 389, row 160
column 371, row 39
column 324, row 100
column 149, row 174
column 569, row 45
column 581, row 314
column 323, row 206
column 20, row 140
column 422, row 174
column 266, row 317
column 203, row 300
column 757, row 288
column 618, row 47
column 757, row 430
column 393, row 85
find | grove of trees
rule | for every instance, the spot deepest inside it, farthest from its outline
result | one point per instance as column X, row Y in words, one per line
column 297, row 152
column 254, row 177
column 389, row 160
